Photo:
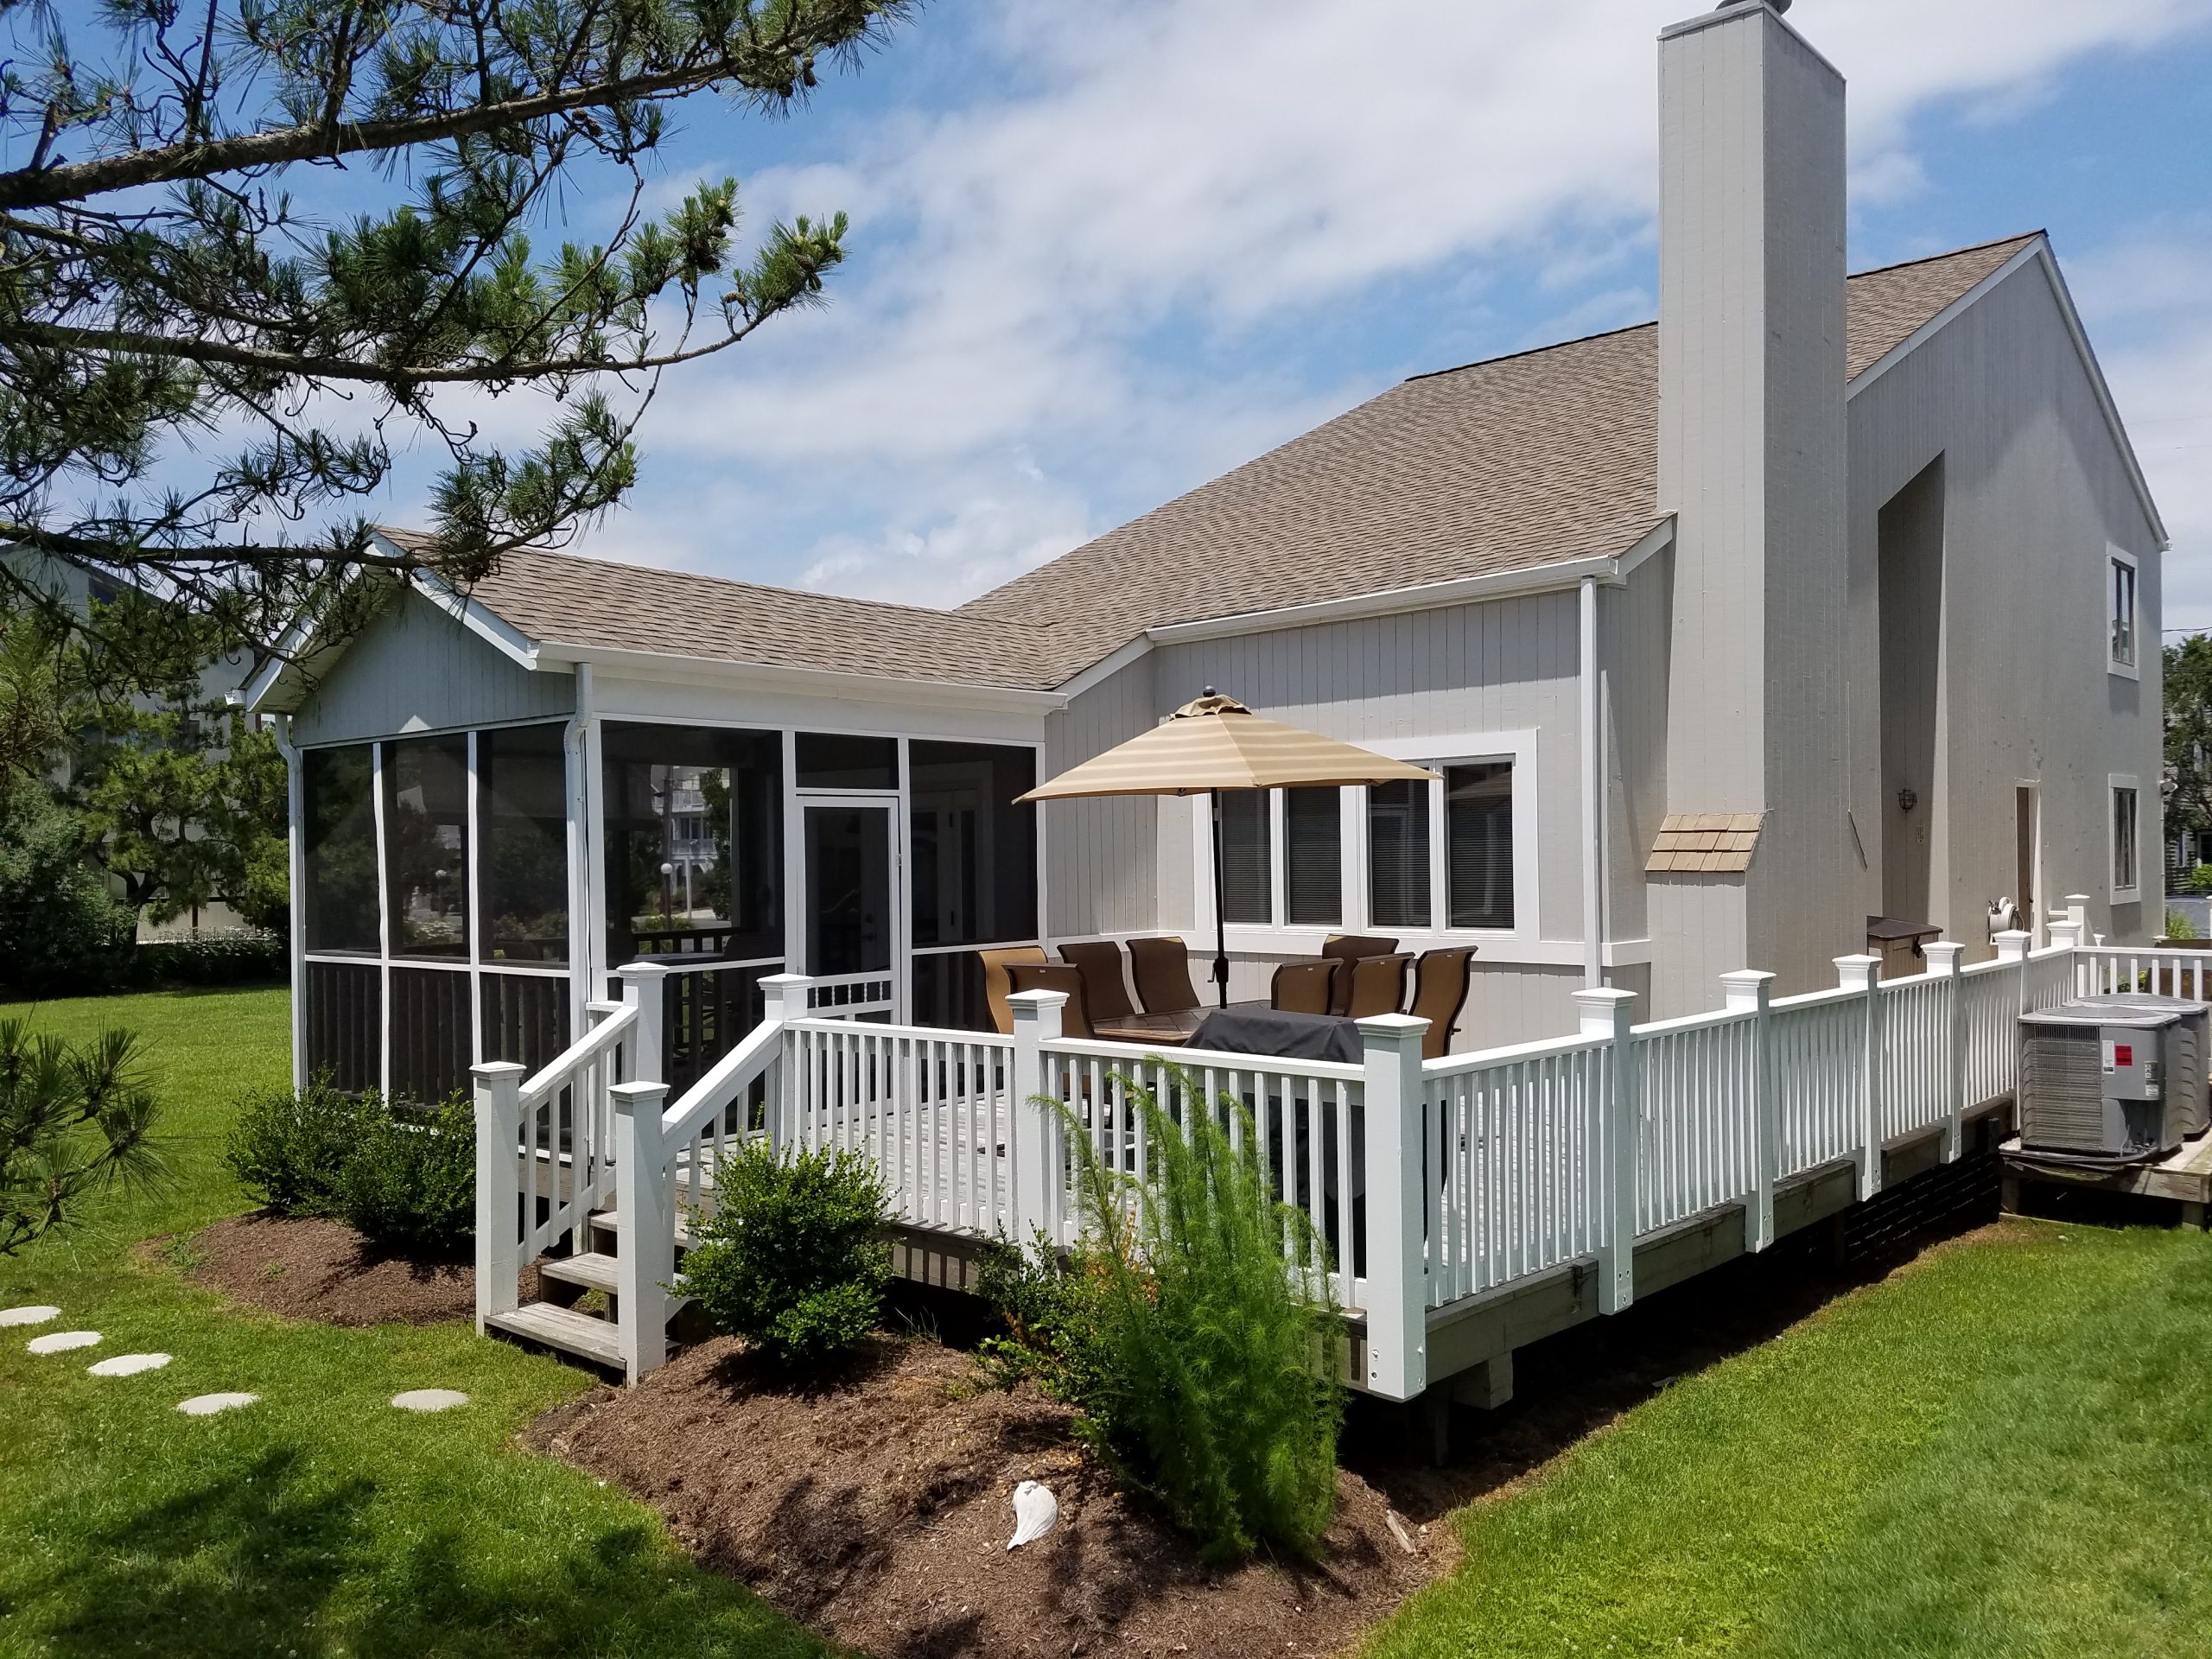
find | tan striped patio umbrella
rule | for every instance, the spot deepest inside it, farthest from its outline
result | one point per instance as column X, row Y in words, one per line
column 1216, row 744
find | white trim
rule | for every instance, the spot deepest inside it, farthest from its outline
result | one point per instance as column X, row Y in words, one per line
column 2114, row 782
column 2117, row 554
column 2039, row 252
column 384, row 923
column 1656, row 539
column 494, row 629
column 1106, row 667
column 1593, row 791
column 295, row 873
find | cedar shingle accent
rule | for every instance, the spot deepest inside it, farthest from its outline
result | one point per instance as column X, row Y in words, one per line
column 1705, row 843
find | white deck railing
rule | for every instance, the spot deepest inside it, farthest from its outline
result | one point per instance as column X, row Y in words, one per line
column 1431, row 1182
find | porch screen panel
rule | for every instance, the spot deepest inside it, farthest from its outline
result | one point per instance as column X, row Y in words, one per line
column 1314, row 869
column 694, row 842
column 1246, row 867
column 973, row 871
column 430, row 1034
column 344, row 1023
column 1397, row 853
column 338, row 832
column 522, row 794
column 525, row 1018
column 1478, row 839
column 426, row 845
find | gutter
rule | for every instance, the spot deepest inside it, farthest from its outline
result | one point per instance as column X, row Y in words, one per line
column 805, row 681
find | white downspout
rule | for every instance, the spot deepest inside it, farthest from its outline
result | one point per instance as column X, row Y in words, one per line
column 295, row 860
column 1594, row 797
column 584, row 947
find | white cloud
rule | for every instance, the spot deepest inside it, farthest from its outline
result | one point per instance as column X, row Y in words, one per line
column 1109, row 258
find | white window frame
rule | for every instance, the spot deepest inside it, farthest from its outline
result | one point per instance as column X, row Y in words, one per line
column 2120, row 558
column 2114, row 783
column 1279, row 938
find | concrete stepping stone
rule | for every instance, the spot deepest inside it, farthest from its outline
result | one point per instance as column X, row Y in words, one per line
column 36, row 1315
column 430, row 1399
column 206, row 1405
column 128, row 1364
column 60, row 1342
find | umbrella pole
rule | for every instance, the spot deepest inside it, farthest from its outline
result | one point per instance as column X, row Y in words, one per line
column 1220, row 914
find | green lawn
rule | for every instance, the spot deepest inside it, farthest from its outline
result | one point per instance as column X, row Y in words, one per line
column 2005, row 1450
column 320, row 1522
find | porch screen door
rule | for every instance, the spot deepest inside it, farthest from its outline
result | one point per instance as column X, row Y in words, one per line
column 852, row 906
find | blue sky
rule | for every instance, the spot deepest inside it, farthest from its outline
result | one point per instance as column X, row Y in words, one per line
column 1103, row 251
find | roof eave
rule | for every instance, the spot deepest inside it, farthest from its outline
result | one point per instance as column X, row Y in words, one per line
column 807, row 682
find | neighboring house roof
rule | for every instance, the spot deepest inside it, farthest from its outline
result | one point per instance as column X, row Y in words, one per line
column 1537, row 459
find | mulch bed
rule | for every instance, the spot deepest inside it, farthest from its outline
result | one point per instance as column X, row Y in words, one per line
column 877, row 1509
column 307, row 1268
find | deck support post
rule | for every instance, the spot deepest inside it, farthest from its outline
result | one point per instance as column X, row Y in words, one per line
column 783, row 998
column 1395, row 1109
column 645, row 1200
column 1033, row 1120
column 644, row 988
column 1863, row 974
column 498, row 1135
column 1611, row 1014
column 1750, row 991
column 1943, row 962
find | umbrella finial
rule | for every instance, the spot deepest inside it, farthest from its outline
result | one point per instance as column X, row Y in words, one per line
column 1211, row 692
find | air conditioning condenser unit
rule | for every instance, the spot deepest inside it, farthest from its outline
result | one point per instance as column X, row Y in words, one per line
column 2118, row 1077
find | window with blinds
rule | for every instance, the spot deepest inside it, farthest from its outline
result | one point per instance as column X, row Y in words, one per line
column 1313, row 857
column 1397, row 855
column 1247, row 872
column 1478, row 843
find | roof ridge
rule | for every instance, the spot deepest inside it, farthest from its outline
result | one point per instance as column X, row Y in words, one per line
column 1635, row 327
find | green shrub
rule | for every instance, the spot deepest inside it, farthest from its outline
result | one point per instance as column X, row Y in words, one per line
column 291, row 1150
column 2179, row 927
column 211, row 959
column 793, row 1259
column 1049, row 1301
column 2200, row 881
column 412, row 1181
column 1215, row 1375
column 62, row 931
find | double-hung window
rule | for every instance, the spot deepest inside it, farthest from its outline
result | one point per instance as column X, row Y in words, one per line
column 2126, row 841
column 2121, row 629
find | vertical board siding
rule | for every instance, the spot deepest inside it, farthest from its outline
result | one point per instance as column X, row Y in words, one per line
column 431, row 1034
column 345, row 1023
column 414, row 669
column 525, row 1018
column 1101, row 856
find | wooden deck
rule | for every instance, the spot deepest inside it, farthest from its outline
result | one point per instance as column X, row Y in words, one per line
column 2185, row 1177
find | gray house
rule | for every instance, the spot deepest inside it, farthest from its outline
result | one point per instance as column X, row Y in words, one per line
column 1822, row 598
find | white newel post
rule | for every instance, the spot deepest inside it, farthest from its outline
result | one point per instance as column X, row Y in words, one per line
column 1612, row 1014
column 498, row 1135
column 2013, row 949
column 2069, row 934
column 1035, row 1125
column 645, row 1198
column 783, row 998
column 644, row 987
column 1943, row 961
column 1863, row 974
column 1750, row 991
column 1397, row 1246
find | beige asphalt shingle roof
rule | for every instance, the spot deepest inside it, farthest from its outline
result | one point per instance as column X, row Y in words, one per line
column 1523, row 461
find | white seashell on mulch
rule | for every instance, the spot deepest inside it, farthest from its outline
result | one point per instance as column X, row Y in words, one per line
column 60, row 1342
column 129, row 1364
column 430, row 1399
column 206, row 1405
column 38, row 1315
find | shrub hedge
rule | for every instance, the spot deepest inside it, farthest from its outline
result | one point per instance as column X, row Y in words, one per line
column 402, row 1175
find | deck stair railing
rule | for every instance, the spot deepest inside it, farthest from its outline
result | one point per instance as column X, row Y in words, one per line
column 1431, row 1181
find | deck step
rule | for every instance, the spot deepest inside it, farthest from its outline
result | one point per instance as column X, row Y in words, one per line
column 564, row 1328
column 611, row 1221
column 593, row 1271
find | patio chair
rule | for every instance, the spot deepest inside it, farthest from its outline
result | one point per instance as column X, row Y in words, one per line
column 1303, row 987
column 1378, row 986
column 996, row 984
column 1162, row 970
column 1106, row 995
column 1349, row 948
column 1440, row 980
column 1075, row 1019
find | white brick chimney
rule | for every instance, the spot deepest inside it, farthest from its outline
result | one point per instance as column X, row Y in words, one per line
column 1751, row 460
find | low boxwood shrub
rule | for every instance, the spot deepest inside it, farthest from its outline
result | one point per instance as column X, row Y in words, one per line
column 211, row 959
column 1205, row 1358
column 794, row 1258
column 412, row 1180
column 291, row 1149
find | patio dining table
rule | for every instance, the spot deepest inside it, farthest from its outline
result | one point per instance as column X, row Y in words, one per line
column 1257, row 1028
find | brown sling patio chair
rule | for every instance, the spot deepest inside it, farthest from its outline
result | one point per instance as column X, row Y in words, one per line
column 1075, row 1019
column 1105, row 994
column 1302, row 987
column 1440, row 980
column 1162, row 970
column 1378, row 986
column 1349, row 948
column 996, row 984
